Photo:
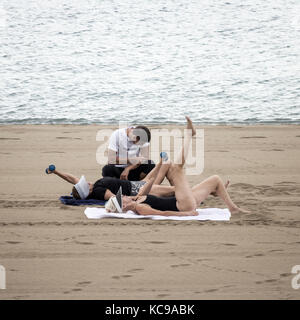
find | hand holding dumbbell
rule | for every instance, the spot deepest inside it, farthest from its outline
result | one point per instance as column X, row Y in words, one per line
column 164, row 156
column 50, row 169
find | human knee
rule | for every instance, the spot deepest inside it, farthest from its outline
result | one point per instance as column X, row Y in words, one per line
column 187, row 207
column 216, row 178
column 192, row 207
column 175, row 166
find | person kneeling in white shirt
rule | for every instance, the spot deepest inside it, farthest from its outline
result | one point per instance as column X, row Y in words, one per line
column 128, row 154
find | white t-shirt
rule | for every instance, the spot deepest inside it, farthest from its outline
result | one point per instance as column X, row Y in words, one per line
column 120, row 143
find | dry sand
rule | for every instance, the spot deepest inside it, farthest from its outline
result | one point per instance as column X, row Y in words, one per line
column 51, row 251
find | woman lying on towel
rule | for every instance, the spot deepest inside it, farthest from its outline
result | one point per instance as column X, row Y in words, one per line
column 105, row 188
column 186, row 199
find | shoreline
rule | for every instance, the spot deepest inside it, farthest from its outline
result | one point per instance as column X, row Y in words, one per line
column 157, row 124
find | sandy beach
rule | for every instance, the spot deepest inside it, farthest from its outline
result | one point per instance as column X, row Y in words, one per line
column 52, row 251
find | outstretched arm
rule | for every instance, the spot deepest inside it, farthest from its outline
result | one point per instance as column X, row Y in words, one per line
column 113, row 158
column 66, row 176
column 146, row 188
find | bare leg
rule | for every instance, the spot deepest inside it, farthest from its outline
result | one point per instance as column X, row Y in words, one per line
column 225, row 185
column 183, row 192
column 159, row 172
column 187, row 142
column 162, row 191
column 211, row 185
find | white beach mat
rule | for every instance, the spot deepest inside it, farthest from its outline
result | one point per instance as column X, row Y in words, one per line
column 215, row 214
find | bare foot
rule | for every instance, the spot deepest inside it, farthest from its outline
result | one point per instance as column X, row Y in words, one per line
column 225, row 185
column 190, row 126
column 238, row 210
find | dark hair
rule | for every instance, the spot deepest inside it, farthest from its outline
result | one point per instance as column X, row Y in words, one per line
column 75, row 194
column 137, row 132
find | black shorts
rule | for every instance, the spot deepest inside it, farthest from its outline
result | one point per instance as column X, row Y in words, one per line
column 110, row 170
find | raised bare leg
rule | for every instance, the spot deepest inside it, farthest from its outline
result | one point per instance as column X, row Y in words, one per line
column 189, row 133
column 183, row 192
column 177, row 177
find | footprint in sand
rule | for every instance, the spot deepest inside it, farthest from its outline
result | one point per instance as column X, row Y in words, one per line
column 84, row 243
column 254, row 137
column 135, row 270
column 63, row 138
column 180, row 265
column 286, row 182
column 83, row 283
column 13, row 242
column 53, row 152
column 283, row 275
column 270, row 280
column 201, row 260
column 157, row 242
column 69, row 138
column 255, row 255
column 211, row 290
column 122, row 276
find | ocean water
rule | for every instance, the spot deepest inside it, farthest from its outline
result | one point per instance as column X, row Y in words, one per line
column 149, row 61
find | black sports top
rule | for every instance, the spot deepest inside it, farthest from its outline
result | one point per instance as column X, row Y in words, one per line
column 113, row 184
column 161, row 203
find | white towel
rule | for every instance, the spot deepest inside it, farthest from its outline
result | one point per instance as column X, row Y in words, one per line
column 215, row 214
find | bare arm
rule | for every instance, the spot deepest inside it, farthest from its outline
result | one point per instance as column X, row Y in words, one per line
column 114, row 159
column 66, row 176
column 146, row 188
column 144, row 209
column 126, row 171
column 108, row 194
